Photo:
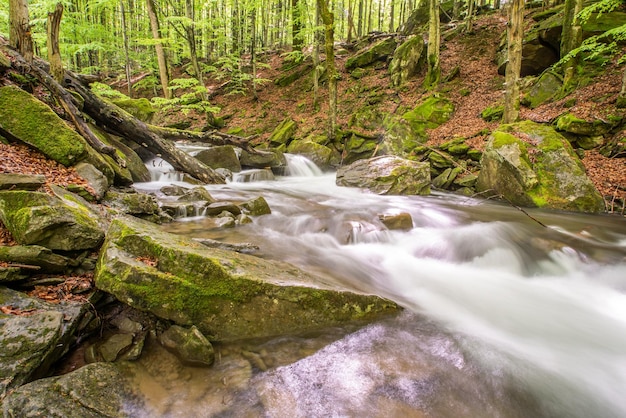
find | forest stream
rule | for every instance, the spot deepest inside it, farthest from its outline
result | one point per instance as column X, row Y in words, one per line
column 508, row 313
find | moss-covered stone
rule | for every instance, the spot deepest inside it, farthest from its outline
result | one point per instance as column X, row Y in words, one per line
column 97, row 390
column 220, row 157
column 547, row 87
column 429, row 113
column 492, row 113
column 574, row 125
column 319, row 154
column 37, row 125
column 377, row 51
column 408, row 60
column 256, row 207
column 530, row 164
column 39, row 219
column 227, row 295
column 283, row 133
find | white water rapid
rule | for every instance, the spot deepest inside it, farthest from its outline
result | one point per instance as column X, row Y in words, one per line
column 504, row 317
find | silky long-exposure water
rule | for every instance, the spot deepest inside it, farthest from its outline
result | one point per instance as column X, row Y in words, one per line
column 507, row 313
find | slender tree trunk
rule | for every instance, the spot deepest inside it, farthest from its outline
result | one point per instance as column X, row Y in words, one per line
column 514, row 62
column 392, row 10
column 434, row 70
column 296, row 26
column 469, row 24
column 571, row 37
column 54, row 53
column 316, row 61
column 190, row 35
column 350, row 20
column 329, row 31
column 126, row 50
column 164, row 71
column 253, row 52
column 19, row 29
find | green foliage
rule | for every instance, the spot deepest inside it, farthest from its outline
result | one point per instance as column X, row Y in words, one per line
column 190, row 97
column 105, row 91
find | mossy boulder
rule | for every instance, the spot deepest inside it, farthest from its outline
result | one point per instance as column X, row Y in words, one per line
column 263, row 159
column 38, row 126
column 574, row 125
column 189, row 345
column 492, row 113
column 34, row 255
column 227, row 295
column 283, row 133
column 387, row 175
column 399, row 138
column 35, row 218
column 408, row 60
column 357, row 146
column 546, row 88
column 429, row 114
column 30, row 344
column 132, row 203
column 530, row 164
column 16, row 181
column 615, row 147
column 140, row 108
column 223, row 156
column 320, row 154
column 378, row 51
column 97, row 390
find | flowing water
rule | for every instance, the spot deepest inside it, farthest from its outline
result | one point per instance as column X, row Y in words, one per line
column 507, row 314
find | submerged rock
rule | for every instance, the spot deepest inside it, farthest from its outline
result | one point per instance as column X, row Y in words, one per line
column 189, row 345
column 227, row 295
column 387, row 175
column 530, row 164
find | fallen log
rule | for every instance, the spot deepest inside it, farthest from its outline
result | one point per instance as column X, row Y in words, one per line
column 123, row 124
column 212, row 137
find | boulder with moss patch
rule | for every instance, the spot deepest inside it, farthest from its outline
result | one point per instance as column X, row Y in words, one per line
column 530, row 164
column 38, row 126
column 408, row 60
column 35, row 218
column 227, row 295
column 375, row 52
column 283, row 133
column 387, row 175
column 320, row 154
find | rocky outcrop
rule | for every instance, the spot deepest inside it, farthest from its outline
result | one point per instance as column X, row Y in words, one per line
column 35, row 218
column 33, row 335
column 387, row 175
column 220, row 157
column 283, row 133
column 378, row 51
column 529, row 164
column 227, row 295
column 408, row 60
column 95, row 391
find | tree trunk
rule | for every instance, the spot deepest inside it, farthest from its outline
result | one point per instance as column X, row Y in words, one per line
column 316, row 61
column 126, row 50
column 54, row 54
column 571, row 38
column 434, row 70
column 469, row 24
column 296, row 26
column 190, row 36
column 164, row 71
column 329, row 31
column 514, row 62
column 19, row 31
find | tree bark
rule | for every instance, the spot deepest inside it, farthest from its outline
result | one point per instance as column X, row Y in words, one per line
column 164, row 71
column 296, row 26
column 19, row 29
column 514, row 62
column 571, row 37
column 328, row 19
column 434, row 39
column 54, row 53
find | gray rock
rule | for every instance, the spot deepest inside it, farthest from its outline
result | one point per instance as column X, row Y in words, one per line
column 227, row 295
column 197, row 194
column 387, row 175
column 189, row 345
column 214, row 209
column 256, row 207
column 263, row 159
column 541, row 172
column 95, row 391
column 220, row 157
column 132, row 203
column 34, row 255
column 408, row 60
column 95, row 179
column 32, row 341
column 39, row 219
column 12, row 181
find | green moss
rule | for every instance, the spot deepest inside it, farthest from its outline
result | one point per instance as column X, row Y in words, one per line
column 37, row 125
column 140, row 108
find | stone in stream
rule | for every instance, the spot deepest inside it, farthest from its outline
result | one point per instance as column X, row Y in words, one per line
column 189, row 345
column 227, row 295
column 387, row 175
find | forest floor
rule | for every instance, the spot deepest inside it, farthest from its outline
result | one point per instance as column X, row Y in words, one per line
column 473, row 53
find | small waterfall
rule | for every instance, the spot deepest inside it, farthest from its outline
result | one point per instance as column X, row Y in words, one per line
column 255, row 174
column 161, row 171
column 300, row 166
